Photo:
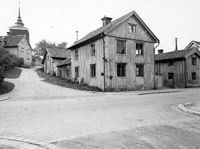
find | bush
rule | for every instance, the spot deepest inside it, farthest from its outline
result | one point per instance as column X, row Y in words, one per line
column 8, row 61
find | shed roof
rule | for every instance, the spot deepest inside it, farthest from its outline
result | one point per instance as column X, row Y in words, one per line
column 176, row 54
column 105, row 29
column 64, row 63
column 58, row 53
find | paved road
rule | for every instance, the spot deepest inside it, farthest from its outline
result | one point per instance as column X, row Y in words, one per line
column 42, row 111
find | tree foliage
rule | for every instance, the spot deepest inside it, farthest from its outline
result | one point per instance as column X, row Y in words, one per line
column 41, row 46
column 8, row 61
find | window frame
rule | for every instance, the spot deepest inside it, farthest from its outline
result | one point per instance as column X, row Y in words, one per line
column 170, row 63
column 76, row 74
column 140, row 50
column 139, row 73
column 76, row 54
column 194, row 76
column 121, row 70
column 121, row 41
column 194, row 61
column 170, row 76
column 93, row 49
column 92, row 70
column 132, row 28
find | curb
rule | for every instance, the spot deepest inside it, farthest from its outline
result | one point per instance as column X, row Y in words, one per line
column 5, row 98
column 37, row 143
column 183, row 107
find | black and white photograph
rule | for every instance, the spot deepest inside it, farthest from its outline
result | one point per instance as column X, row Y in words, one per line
column 100, row 74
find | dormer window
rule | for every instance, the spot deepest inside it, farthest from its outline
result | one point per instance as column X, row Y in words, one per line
column 132, row 28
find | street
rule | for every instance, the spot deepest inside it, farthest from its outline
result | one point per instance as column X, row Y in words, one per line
column 50, row 113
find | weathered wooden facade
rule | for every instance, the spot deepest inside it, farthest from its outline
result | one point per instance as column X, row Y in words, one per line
column 119, row 55
column 64, row 69
column 52, row 58
column 179, row 68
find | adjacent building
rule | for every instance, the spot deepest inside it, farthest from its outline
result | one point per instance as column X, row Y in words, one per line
column 17, row 42
column 18, row 46
column 52, row 58
column 64, row 69
column 180, row 68
column 118, row 55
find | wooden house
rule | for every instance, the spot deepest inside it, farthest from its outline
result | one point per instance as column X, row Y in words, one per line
column 64, row 69
column 193, row 44
column 18, row 46
column 118, row 55
column 52, row 58
column 180, row 68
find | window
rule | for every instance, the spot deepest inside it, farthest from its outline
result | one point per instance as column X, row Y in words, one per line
column 76, row 54
column 76, row 71
column 121, row 69
column 170, row 64
column 139, row 70
column 194, row 61
column 193, row 75
column 132, row 28
column 121, row 46
column 139, row 49
column 92, row 49
column 170, row 75
column 93, row 70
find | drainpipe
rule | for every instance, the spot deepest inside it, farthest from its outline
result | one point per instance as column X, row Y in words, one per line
column 104, row 63
column 155, row 62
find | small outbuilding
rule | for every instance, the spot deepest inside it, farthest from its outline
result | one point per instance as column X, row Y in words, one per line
column 64, row 69
column 52, row 58
column 180, row 68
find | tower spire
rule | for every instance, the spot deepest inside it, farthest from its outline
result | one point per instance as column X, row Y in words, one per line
column 19, row 20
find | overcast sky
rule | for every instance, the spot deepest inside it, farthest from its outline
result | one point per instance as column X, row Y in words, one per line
column 58, row 20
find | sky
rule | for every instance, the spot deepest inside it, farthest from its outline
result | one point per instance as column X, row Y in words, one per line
column 57, row 20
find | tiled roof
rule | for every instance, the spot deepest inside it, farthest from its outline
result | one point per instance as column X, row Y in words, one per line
column 13, row 41
column 176, row 54
column 58, row 53
column 110, row 26
column 65, row 62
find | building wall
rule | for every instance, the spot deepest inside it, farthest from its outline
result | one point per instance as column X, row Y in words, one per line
column 193, row 68
column 50, row 65
column 130, row 58
column 177, row 68
column 25, row 52
column 84, row 61
column 64, row 71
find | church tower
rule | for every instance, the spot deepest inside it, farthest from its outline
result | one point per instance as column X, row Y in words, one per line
column 18, row 28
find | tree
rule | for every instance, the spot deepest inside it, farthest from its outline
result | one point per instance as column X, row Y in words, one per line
column 62, row 45
column 41, row 46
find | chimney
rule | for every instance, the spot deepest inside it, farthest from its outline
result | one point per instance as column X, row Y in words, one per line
column 106, row 20
column 160, row 51
column 176, row 44
column 76, row 35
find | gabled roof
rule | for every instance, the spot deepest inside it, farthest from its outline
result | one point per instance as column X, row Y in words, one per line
column 58, row 53
column 105, row 29
column 193, row 42
column 64, row 63
column 178, row 54
column 13, row 41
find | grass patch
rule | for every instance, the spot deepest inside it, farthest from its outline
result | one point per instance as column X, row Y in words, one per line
column 13, row 73
column 6, row 87
column 65, row 83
